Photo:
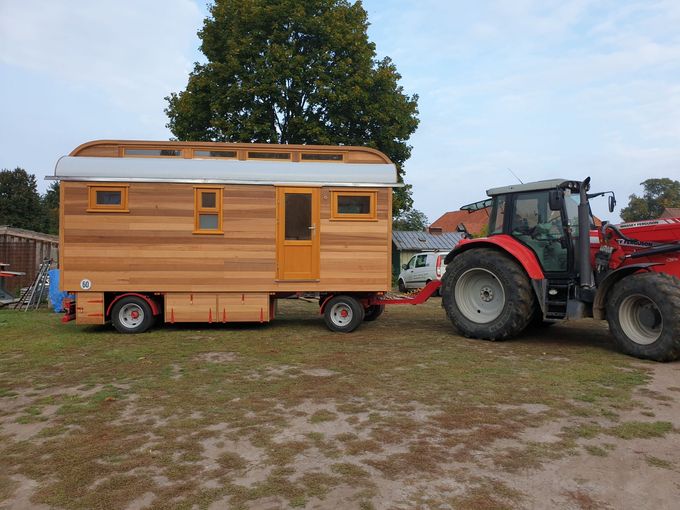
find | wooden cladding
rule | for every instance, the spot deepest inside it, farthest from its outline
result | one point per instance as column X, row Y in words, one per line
column 153, row 248
column 226, row 307
column 108, row 198
column 354, row 205
column 208, row 209
column 90, row 308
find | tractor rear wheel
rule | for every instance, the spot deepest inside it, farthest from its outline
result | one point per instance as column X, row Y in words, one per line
column 486, row 294
column 643, row 311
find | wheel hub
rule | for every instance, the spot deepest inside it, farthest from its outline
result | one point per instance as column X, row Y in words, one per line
column 649, row 317
column 640, row 319
column 479, row 295
column 341, row 314
column 486, row 293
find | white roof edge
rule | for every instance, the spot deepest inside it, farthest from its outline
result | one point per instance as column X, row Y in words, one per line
column 81, row 168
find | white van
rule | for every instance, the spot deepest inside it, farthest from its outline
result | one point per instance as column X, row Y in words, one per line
column 421, row 270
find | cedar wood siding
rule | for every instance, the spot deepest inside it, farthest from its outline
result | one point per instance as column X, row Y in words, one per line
column 152, row 248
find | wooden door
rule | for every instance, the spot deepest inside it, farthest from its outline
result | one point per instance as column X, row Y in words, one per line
column 297, row 236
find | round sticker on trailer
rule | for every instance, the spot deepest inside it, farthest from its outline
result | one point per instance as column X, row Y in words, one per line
column 85, row 284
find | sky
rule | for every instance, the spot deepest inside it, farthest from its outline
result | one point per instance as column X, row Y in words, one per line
column 539, row 88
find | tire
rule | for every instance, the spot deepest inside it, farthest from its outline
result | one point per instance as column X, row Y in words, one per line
column 373, row 312
column 343, row 314
column 132, row 314
column 402, row 286
column 487, row 295
column 643, row 311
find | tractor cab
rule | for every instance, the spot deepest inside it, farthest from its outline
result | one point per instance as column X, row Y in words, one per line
column 544, row 217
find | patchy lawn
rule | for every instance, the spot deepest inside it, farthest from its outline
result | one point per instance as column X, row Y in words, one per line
column 402, row 413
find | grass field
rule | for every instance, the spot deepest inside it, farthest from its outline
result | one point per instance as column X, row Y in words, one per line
column 402, row 413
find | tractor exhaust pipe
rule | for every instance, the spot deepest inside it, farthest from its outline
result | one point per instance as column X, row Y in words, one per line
column 585, row 271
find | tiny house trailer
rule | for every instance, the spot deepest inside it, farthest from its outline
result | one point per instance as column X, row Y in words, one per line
column 217, row 232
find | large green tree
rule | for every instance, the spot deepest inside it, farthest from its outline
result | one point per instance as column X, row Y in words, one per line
column 50, row 201
column 411, row 220
column 20, row 203
column 658, row 194
column 291, row 71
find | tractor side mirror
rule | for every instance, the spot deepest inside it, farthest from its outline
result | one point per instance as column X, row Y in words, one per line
column 612, row 202
column 555, row 200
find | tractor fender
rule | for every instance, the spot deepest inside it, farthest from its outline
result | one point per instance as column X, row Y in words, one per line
column 599, row 304
column 526, row 258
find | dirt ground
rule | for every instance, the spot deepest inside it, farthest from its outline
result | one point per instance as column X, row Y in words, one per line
column 402, row 414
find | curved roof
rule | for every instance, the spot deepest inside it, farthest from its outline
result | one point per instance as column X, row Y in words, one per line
column 228, row 171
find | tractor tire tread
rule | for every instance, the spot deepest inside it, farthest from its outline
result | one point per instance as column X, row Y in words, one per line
column 666, row 289
column 520, row 298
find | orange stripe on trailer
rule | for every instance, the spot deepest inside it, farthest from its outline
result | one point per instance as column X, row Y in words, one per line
column 261, row 315
column 172, row 315
column 210, row 315
column 224, row 315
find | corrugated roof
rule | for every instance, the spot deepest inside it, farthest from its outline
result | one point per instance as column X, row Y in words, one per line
column 423, row 241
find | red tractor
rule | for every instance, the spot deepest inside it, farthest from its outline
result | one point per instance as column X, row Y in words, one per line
column 545, row 261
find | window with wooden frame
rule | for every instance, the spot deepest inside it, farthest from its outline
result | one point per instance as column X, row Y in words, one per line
column 354, row 205
column 107, row 198
column 208, row 210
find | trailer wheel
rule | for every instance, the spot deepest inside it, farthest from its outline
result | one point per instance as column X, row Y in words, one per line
column 343, row 314
column 487, row 295
column 132, row 314
column 643, row 311
column 373, row 312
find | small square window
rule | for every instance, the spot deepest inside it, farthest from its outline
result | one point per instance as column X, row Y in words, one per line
column 208, row 199
column 107, row 198
column 208, row 210
column 354, row 205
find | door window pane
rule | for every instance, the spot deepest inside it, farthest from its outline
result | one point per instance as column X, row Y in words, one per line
column 298, row 216
column 208, row 221
column 421, row 261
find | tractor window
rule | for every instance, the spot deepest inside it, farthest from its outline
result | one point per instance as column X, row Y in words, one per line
column 497, row 216
column 541, row 229
column 571, row 204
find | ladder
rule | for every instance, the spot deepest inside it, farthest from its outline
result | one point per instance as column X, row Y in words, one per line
column 33, row 295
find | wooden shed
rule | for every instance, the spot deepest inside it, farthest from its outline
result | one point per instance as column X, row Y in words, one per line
column 216, row 232
column 24, row 251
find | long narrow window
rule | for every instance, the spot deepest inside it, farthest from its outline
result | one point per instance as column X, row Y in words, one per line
column 208, row 210
column 107, row 198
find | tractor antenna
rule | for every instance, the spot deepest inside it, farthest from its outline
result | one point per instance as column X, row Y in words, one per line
column 515, row 175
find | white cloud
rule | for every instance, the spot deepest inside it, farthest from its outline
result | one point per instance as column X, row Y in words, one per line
column 134, row 52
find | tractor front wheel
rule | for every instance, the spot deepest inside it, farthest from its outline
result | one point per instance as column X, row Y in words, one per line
column 643, row 311
column 487, row 294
